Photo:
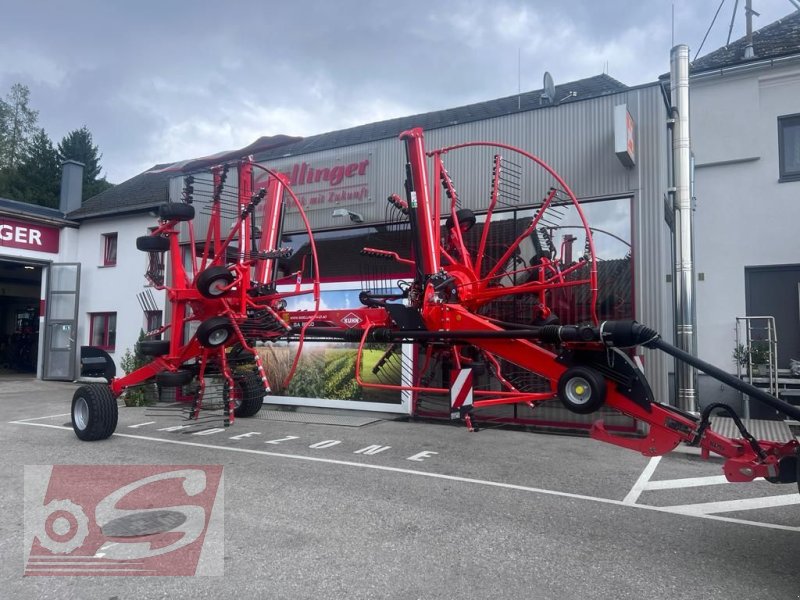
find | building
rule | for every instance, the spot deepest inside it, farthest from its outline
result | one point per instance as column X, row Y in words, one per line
column 39, row 283
column 571, row 127
column 745, row 127
column 112, row 284
column 76, row 273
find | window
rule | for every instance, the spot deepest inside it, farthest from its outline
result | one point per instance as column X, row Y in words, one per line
column 109, row 249
column 103, row 330
column 152, row 320
column 789, row 147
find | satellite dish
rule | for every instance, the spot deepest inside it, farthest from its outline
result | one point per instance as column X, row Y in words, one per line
column 549, row 93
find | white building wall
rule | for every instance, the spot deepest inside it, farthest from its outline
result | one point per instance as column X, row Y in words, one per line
column 744, row 216
column 114, row 289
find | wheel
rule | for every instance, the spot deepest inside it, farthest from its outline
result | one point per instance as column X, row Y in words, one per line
column 581, row 390
column 466, row 218
column 788, row 470
column 174, row 378
column 214, row 332
column 152, row 243
column 249, row 394
column 94, row 412
column 176, row 211
column 211, row 282
column 153, row 347
column 797, row 465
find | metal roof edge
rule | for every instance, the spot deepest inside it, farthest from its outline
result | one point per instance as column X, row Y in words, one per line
column 117, row 212
column 745, row 66
column 265, row 156
column 43, row 219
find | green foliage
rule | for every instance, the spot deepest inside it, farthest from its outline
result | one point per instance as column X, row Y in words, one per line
column 11, row 184
column 740, row 355
column 30, row 167
column 329, row 373
column 40, row 172
column 340, row 375
column 17, row 126
column 757, row 353
column 308, row 380
column 130, row 362
column 78, row 145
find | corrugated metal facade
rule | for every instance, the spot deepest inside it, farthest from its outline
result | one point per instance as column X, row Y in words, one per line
column 575, row 138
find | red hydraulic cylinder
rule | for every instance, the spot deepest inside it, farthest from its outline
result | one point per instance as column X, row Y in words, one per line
column 270, row 228
column 427, row 217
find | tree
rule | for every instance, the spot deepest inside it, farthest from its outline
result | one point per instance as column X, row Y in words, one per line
column 17, row 126
column 78, row 145
column 11, row 184
column 40, row 172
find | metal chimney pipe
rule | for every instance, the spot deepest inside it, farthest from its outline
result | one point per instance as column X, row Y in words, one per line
column 685, row 375
column 748, row 11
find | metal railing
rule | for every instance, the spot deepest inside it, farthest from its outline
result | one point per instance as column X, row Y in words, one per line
column 756, row 353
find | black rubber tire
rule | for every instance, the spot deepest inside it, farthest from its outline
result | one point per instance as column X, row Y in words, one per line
column 94, row 412
column 788, row 470
column 176, row 211
column 209, row 331
column 152, row 243
column 251, row 393
column 153, row 347
column 463, row 215
column 174, row 378
column 207, row 281
column 582, row 390
column 798, row 469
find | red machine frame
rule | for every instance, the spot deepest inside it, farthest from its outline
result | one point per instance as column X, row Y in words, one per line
column 441, row 309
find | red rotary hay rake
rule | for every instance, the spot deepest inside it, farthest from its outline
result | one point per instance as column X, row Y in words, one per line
column 230, row 294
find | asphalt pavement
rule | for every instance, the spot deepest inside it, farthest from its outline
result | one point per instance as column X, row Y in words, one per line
column 408, row 509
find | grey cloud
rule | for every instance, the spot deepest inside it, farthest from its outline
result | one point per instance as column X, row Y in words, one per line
column 143, row 74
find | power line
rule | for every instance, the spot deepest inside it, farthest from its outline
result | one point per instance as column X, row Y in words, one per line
column 733, row 17
column 714, row 20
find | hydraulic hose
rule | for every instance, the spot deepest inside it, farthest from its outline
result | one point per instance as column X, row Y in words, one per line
column 620, row 334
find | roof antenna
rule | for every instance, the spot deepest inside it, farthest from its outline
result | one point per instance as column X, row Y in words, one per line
column 519, row 78
column 673, row 25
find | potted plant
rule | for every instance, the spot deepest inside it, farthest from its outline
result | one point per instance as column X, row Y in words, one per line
column 740, row 355
column 757, row 354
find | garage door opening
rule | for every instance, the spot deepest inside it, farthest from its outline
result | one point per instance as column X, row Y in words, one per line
column 20, row 292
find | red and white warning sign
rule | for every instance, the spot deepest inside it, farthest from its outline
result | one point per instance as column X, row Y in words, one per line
column 460, row 391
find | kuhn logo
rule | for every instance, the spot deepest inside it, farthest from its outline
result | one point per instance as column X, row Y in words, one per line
column 351, row 320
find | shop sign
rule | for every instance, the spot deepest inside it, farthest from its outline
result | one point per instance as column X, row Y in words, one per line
column 624, row 131
column 28, row 236
column 327, row 184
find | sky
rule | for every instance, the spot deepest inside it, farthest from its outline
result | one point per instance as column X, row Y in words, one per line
column 162, row 81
